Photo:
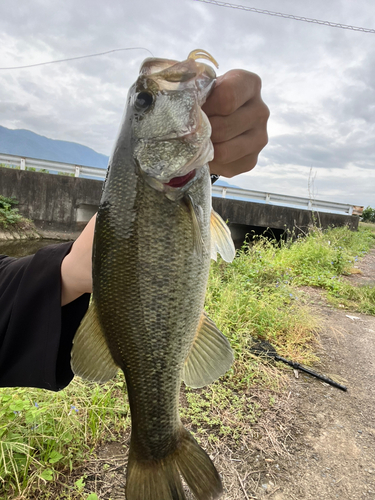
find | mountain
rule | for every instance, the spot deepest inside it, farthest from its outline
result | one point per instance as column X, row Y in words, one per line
column 222, row 183
column 26, row 143
column 22, row 142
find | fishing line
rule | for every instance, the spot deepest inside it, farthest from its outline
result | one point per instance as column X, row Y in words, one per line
column 78, row 57
column 287, row 16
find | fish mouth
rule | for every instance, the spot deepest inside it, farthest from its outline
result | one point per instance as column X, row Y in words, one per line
column 181, row 181
column 188, row 129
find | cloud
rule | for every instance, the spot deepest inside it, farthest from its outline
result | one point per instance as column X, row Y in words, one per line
column 319, row 82
column 354, row 185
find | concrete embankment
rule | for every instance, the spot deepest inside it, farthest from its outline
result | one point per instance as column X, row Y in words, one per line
column 12, row 234
column 60, row 206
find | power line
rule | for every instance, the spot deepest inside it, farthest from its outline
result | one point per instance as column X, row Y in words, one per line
column 287, row 16
column 78, row 57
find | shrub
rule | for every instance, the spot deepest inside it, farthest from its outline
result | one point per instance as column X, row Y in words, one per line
column 368, row 214
column 8, row 213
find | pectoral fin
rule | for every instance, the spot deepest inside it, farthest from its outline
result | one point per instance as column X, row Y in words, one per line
column 197, row 234
column 221, row 239
column 210, row 356
column 90, row 356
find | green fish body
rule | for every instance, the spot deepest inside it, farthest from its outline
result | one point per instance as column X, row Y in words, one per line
column 154, row 238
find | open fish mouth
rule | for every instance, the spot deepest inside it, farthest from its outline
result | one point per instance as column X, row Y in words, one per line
column 181, row 181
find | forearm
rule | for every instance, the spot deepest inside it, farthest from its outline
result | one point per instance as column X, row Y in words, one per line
column 76, row 268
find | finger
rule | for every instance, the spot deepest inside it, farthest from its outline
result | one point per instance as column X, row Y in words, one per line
column 253, row 114
column 231, row 91
column 250, row 142
column 236, row 167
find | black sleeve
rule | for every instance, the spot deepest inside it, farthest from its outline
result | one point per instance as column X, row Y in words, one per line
column 36, row 333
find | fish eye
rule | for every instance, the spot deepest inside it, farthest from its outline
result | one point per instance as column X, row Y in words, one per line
column 144, row 100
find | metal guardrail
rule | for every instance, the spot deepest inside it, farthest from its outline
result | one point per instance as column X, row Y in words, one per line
column 53, row 166
column 217, row 190
column 281, row 200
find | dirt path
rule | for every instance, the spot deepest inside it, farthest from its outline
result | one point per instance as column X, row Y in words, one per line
column 316, row 442
column 333, row 452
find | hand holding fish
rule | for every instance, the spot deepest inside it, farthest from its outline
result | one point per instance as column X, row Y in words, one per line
column 238, row 118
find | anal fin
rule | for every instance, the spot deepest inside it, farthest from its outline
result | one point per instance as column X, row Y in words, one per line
column 210, row 356
column 90, row 356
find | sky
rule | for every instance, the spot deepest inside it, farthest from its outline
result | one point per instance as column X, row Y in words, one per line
column 318, row 81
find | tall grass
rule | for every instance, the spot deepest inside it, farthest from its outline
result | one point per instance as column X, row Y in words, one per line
column 324, row 257
column 44, row 436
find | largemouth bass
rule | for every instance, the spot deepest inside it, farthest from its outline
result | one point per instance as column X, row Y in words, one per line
column 154, row 237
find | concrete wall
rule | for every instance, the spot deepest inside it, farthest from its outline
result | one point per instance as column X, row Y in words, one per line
column 56, row 203
column 63, row 204
column 264, row 215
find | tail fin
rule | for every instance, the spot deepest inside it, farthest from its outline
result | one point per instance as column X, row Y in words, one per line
column 160, row 479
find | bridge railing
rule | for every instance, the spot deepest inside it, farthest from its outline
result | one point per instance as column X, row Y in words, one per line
column 217, row 190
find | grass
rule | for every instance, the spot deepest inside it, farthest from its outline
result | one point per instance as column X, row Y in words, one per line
column 323, row 258
column 367, row 225
column 45, row 436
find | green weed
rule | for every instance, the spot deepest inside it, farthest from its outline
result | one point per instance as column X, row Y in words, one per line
column 28, row 169
column 355, row 298
column 8, row 213
column 254, row 297
column 218, row 411
column 43, row 435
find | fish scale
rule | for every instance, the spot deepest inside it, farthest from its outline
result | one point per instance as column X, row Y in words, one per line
column 153, row 286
